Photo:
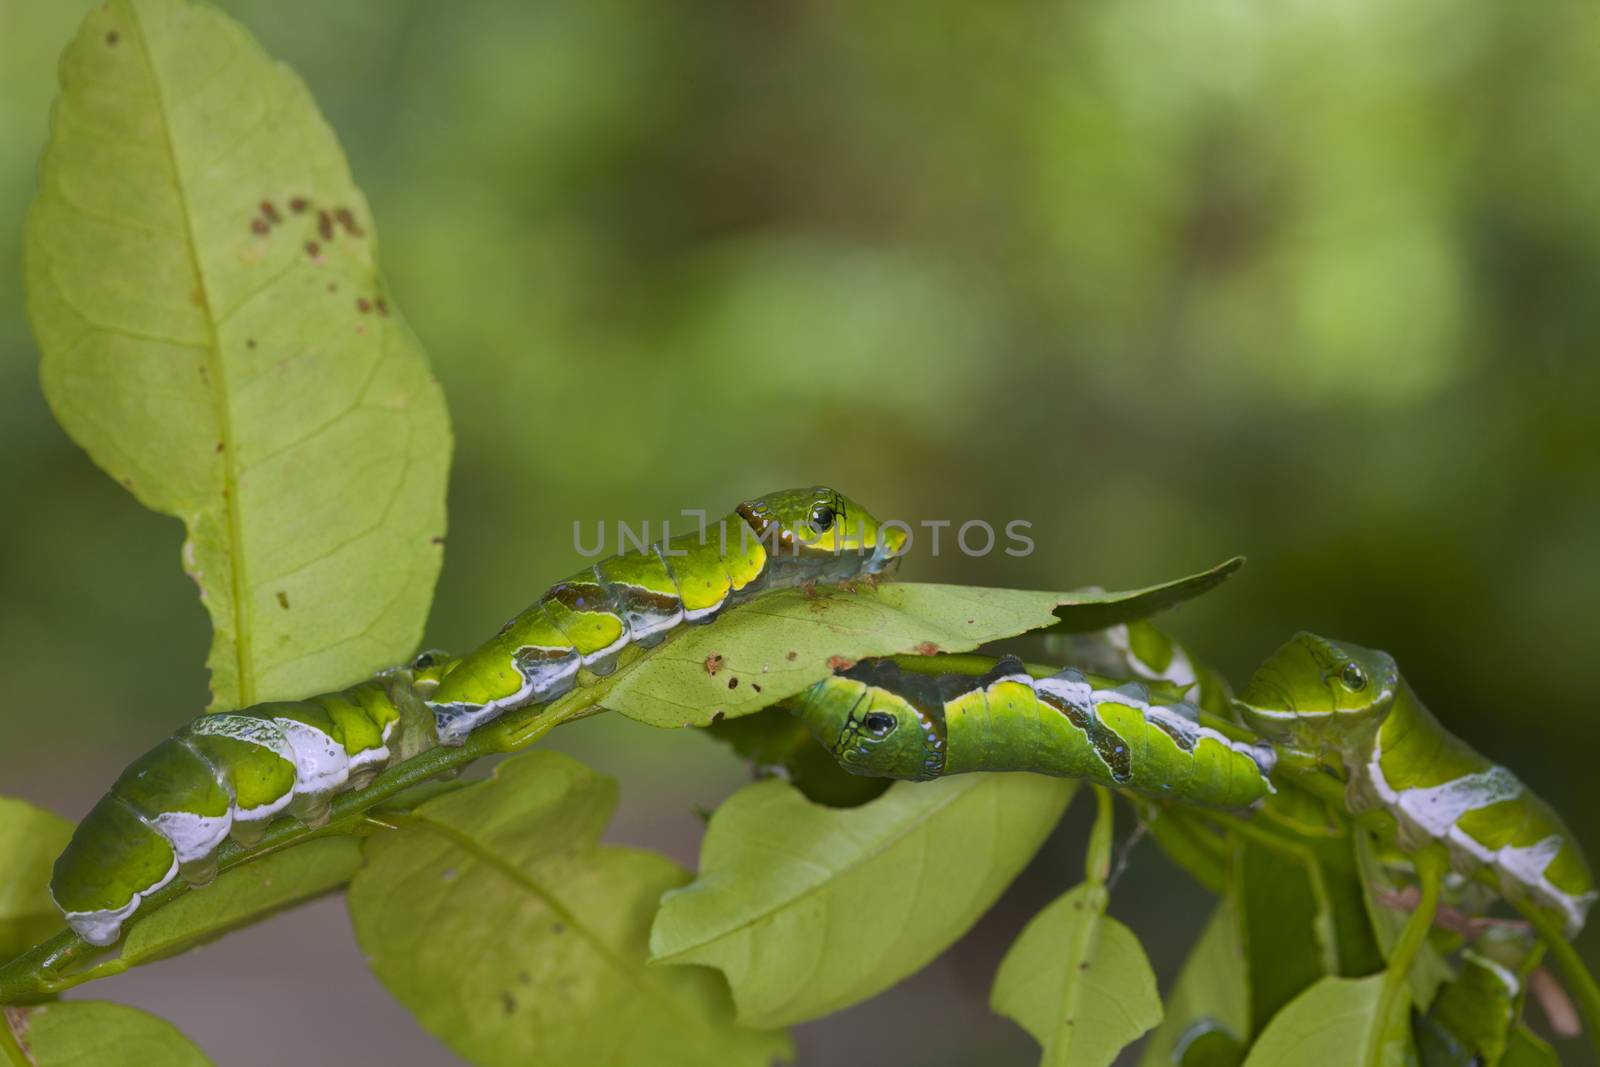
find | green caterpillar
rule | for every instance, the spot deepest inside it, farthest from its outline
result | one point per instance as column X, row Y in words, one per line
column 232, row 773
column 1321, row 697
column 881, row 721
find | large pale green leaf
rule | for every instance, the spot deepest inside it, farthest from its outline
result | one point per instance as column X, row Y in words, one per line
column 1211, row 997
column 30, row 841
column 810, row 909
column 94, row 1033
column 230, row 353
column 1333, row 1024
column 778, row 645
column 1078, row 981
column 242, row 895
column 512, row 934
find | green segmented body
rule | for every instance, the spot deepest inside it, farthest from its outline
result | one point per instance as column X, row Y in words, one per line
column 1322, row 697
column 880, row 721
column 231, row 773
column 778, row 541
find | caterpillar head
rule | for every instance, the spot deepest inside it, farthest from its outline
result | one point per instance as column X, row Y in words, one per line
column 1314, row 691
column 429, row 668
column 870, row 730
column 821, row 523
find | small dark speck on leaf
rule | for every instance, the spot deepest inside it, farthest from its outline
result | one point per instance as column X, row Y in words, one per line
column 718, row 717
column 325, row 225
column 283, row 600
column 713, row 663
column 971, row 621
column 791, row 657
column 249, row 342
column 312, row 248
column 333, row 287
column 299, row 204
column 558, row 928
column 259, row 226
column 436, row 540
column 113, row 37
column 363, row 305
column 220, row 446
column 524, row 977
column 383, row 306
column 348, row 221
column 1084, row 966
column 509, row 1002
column 756, row 686
column 270, row 211
column 733, row 683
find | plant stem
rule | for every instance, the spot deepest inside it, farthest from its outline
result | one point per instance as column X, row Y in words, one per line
column 1580, row 983
column 1097, row 861
column 43, row 970
column 1430, row 864
column 10, row 1044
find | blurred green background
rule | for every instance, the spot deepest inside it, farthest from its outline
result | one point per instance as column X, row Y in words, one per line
column 1309, row 282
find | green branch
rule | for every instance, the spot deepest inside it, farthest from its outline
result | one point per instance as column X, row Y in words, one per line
column 10, row 1044
column 48, row 967
column 1580, row 983
column 1430, row 864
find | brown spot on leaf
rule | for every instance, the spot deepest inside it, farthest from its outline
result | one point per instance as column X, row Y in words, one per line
column 220, row 446
column 333, row 287
column 283, row 600
column 927, row 648
column 270, row 211
column 363, row 305
column 348, row 221
column 436, row 540
column 756, row 686
column 733, row 682
column 508, row 1002
column 113, row 37
column 312, row 248
column 713, row 663
column 383, row 306
column 840, row 663
column 249, row 342
column 791, row 657
column 259, row 226
column 325, row 225
column 298, row 204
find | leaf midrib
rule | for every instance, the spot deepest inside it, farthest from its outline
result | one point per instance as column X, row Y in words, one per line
column 243, row 665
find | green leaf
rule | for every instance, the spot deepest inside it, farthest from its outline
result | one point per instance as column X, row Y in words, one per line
column 1078, row 981
column 95, row 1033
column 810, row 909
column 1286, row 927
column 498, row 919
column 268, row 396
column 773, row 738
column 780, row 644
column 1528, row 1049
column 1332, row 1024
column 1212, row 995
column 242, row 895
column 30, row 840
